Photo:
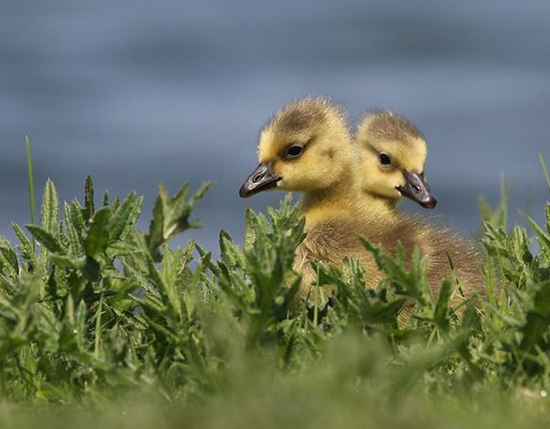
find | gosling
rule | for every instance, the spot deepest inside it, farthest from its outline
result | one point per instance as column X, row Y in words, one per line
column 306, row 147
column 393, row 155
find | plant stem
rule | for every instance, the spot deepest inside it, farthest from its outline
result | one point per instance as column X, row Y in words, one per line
column 543, row 165
column 31, row 186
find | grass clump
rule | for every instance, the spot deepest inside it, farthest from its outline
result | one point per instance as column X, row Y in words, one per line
column 106, row 321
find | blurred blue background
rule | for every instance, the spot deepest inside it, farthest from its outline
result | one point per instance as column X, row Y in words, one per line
column 138, row 92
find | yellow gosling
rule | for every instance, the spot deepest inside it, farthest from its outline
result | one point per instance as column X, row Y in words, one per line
column 393, row 154
column 306, row 147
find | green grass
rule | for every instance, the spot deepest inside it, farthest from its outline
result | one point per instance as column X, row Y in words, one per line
column 106, row 325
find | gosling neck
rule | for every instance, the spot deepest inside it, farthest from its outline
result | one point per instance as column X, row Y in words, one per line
column 339, row 199
column 375, row 203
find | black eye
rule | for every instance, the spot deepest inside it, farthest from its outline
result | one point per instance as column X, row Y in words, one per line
column 294, row 151
column 385, row 159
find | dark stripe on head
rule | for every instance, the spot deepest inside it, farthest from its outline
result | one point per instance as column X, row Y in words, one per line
column 390, row 126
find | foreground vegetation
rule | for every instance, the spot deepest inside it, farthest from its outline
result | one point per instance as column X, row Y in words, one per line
column 103, row 324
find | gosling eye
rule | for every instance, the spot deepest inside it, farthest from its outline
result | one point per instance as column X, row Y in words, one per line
column 294, row 151
column 385, row 159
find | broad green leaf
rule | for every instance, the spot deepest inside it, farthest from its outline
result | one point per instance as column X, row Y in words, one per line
column 441, row 312
column 63, row 261
column 50, row 209
column 26, row 246
column 8, row 261
column 98, row 235
column 89, row 204
column 542, row 236
column 124, row 217
column 171, row 216
column 46, row 239
column 74, row 226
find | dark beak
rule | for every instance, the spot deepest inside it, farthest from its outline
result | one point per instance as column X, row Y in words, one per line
column 417, row 189
column 262, row 178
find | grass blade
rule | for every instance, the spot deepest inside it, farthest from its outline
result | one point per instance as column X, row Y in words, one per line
column 30, row 174
column 545, row 171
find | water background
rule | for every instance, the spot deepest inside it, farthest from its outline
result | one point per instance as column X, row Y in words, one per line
column 139, row 92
